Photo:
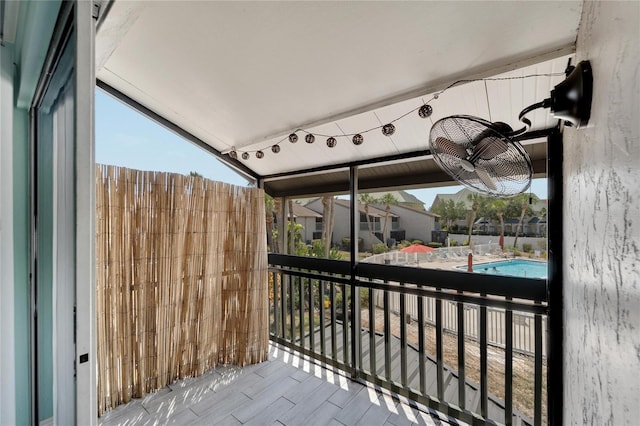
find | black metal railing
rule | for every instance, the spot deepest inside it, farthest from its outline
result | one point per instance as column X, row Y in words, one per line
column 421, row 333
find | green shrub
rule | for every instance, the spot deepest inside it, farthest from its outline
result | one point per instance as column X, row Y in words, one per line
column 542, row 244
column 527, row 248
column 517, row 252
column 317, row 250
column 379, row 248
column 301, row 249
column 454, row 243
column 346, row 243
column 434, row 244
column 417, row 242
column 466, row 242
column 405, row 243
column 364, row 297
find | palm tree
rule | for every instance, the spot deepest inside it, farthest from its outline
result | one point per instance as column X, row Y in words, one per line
column 387, row 200
column 498, row 206
column 521, row 205
column 449, row 211
column 477, row 202
column 328, row 202
column 292, row 239
column 281, row 229
column 269, row 210
column 367, row 200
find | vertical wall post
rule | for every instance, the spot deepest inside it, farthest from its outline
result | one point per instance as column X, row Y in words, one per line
column 555, row 346
column 353, row 250
column 8, row 301
column 33, row 285
column 85, row 183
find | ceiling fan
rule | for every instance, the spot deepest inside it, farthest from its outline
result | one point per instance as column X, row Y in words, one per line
column 487, row 158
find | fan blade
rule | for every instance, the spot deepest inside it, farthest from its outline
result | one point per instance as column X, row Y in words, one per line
column 485, row 178
column 490, row 147
column 449, row 147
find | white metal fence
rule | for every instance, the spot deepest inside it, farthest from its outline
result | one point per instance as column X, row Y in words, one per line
column 523, row 323
column 398, row 257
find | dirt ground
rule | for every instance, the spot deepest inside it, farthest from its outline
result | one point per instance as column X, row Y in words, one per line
column 523, row 365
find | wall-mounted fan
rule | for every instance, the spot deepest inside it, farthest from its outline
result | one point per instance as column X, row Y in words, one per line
column 486, row 158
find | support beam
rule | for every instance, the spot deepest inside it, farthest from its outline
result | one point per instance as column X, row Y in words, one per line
column 353, row 250
column 555, row 342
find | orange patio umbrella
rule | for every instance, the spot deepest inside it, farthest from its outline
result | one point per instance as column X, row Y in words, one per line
column 417, row 248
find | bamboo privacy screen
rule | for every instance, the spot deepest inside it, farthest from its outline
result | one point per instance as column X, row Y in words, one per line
column 181, row 279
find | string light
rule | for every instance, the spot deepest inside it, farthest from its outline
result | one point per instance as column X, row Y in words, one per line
column 424, row 111
column 388, row 129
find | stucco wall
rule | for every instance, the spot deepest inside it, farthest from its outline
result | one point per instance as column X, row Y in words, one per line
column 602, row 235
column 417, row 225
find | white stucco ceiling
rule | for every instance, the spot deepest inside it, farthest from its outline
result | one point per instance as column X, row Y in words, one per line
column 245, row 74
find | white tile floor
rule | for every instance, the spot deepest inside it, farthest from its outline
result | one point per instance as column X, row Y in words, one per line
column 285, row 390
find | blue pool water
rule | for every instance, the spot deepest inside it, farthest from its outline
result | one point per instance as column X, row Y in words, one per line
column 514, row 268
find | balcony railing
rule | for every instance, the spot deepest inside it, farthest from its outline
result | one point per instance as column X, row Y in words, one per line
column 465, row 344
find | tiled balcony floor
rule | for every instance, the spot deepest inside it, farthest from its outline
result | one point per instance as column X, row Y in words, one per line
column 285, row 390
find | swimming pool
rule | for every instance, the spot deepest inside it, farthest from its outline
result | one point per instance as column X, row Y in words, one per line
column 514, row 268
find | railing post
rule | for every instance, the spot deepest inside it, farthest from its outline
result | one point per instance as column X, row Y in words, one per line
column 461, row 355
column 276, row 323
column 537, row 393
column 497, row 322
column 508, row 368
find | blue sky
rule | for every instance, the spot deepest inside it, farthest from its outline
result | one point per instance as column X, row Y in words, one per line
column 126, row 138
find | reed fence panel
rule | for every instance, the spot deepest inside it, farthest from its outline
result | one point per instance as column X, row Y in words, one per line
column 181, row 279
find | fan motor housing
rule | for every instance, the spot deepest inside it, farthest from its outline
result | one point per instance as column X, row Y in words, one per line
column 571, row 99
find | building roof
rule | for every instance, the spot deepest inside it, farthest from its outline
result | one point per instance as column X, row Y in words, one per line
column 463, row 196
column 401, row 196
column 537, row 219
column 373, row 211
column 413, row 209
column 460, row 196
column 302, row 211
